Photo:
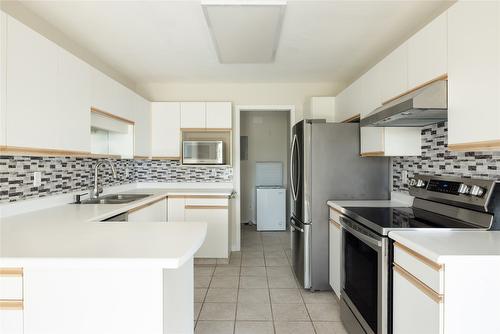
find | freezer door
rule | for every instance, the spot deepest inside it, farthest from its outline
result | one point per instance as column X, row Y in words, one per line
column 301, row 234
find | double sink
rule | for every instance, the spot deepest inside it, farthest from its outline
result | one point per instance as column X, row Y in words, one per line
column 114, row 199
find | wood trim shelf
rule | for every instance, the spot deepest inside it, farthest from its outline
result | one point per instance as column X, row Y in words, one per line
column 140, row 207
column 213, row 207
column 11, row 305
column 487, row 145
column 439, row 78
column 33, row 151
column 438, row 298
column 11, row 271
column 421, row 258
column 373, row 154
column 141, row 157
column 110, row 115
column 352, row 119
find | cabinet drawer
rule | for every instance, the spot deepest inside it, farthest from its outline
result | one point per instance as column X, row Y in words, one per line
column 425, row 270
column 11, row 284
column 216, row 201
column 11, row 318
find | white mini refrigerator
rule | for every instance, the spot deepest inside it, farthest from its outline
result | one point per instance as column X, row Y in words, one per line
column 271, row 207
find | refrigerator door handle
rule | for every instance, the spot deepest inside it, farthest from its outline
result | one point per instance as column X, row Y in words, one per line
column 295, row 191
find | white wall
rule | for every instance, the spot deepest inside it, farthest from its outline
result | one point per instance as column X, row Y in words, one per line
column 268, row 138
column 296, row 94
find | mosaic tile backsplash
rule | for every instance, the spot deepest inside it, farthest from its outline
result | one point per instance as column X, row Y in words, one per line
column 437, row 160
column 68, row 174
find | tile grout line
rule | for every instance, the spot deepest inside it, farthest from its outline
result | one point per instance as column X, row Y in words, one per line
column 237, row 295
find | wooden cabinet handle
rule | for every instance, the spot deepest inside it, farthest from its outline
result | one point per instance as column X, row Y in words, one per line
column 418, row 284
column 140, row 207
column 419, row 257
column 11, row 305
column 11, row 272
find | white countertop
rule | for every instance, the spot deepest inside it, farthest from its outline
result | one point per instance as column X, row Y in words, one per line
column 443, row 246
column 72, row 235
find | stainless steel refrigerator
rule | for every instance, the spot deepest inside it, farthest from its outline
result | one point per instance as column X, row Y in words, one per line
column 326, row 164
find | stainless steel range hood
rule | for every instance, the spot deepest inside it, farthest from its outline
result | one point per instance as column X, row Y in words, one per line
column 424, row 106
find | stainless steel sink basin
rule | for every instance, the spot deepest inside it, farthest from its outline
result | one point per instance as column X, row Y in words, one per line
column 115, row 199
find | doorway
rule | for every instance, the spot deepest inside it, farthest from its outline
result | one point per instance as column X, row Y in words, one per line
column 262, row 135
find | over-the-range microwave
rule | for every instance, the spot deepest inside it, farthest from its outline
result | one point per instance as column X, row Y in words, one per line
column 203, row 152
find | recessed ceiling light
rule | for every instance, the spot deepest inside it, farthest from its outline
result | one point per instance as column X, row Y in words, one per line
column 245, row 32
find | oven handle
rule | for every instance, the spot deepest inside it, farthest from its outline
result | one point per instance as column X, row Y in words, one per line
column 363, row 237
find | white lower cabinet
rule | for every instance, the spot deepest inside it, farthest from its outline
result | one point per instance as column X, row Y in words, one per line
column 335, row 251
column 214, row 210
column 409, row 299
column 151, row 212
column 11, row 301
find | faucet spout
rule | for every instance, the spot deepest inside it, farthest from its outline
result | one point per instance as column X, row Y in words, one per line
column 96, row 190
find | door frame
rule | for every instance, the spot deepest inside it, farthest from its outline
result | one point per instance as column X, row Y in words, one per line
column 236, row 201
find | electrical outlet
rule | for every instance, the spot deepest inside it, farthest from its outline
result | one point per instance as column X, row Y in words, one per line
column 37, row 179
column 404, row 177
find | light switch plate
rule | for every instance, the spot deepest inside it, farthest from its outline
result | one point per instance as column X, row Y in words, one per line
column 37, row 179
column 404, row 177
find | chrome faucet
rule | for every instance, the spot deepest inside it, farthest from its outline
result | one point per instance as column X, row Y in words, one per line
column 96, row 190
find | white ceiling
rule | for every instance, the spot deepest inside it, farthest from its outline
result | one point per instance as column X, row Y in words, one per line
column 168, row 41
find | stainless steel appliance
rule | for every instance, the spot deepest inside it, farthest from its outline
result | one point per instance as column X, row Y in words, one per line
column 203, row 152
column 424, row 106
column 326, row 164
column 440, row 202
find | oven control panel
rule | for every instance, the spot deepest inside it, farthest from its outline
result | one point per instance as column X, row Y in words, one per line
column 453, row 190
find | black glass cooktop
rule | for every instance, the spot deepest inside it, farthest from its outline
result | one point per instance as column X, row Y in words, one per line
column 385, row 219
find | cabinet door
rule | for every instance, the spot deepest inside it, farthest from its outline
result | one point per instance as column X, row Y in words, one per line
column 335, row 251
column 474, row 74
column 165, row 129
column 372, row 141
column 142, row 128
column 3, row 75
column 394, row 73
column 74, row 97
column 218, row 115
column 193, row 115
column 32, row 94
column 427, row 52
column 414, row 312
column 11, row 319
column 156, row 212
column 405, row 141
column 216, row 242
column 370, row 97
column 176, row 209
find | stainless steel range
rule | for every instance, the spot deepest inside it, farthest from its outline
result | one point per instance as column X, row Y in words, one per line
column 440, row 202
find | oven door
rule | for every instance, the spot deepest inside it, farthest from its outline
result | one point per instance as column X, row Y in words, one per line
column 202, row 152
column 364, row 294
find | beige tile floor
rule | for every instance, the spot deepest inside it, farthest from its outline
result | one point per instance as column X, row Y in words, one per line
column 257, row 293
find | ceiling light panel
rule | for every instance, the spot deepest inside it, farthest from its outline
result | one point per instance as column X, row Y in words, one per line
column 245, row 32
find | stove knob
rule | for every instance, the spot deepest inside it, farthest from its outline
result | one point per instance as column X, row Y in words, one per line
column 476, row 191
column 463, row 189
column 420, row 184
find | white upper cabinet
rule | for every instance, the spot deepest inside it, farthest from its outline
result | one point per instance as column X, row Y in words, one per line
column 74, row 93
column 218, row 115
column 427, row 52
column 110, row 96
column 474, row 75
column 165, row 129
column 3, row 76
column 347, row 104
column 142, row 128
column 31, row 103
column 370, row 89
column 394, row 73
column 193, row 115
